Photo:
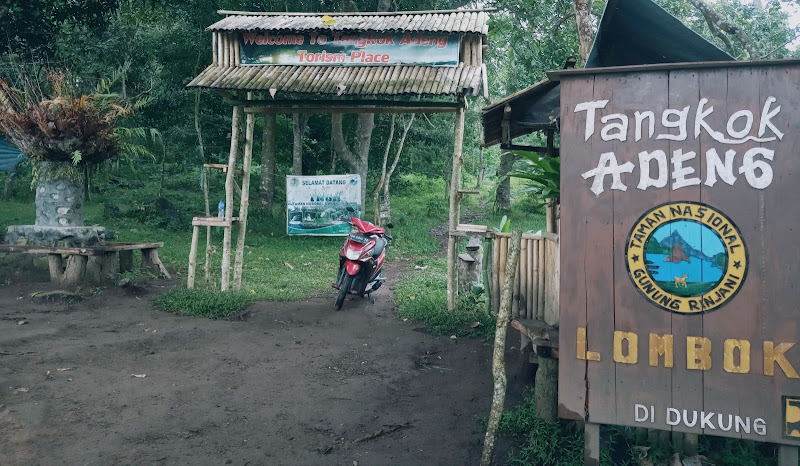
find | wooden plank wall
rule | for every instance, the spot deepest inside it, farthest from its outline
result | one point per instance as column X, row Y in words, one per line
column 536, row 287
column 599, row 296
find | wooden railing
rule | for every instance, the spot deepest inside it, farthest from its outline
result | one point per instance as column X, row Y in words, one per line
column 536, row 285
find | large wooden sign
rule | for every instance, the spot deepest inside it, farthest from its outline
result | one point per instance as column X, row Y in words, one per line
column 348, row 48
column 680, row 249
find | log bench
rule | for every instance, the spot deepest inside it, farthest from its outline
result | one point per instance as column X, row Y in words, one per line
column 110, row 259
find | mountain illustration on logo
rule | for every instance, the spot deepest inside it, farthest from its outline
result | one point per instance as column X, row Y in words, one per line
column 677, row 255
column 681, row 250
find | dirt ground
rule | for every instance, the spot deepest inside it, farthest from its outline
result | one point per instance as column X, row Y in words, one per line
column 293, row 383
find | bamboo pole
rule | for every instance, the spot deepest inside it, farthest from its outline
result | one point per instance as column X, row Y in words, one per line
column 245, row 200
column 503, row 258
column 226, row 238
column 529, row 291
column 523, row 280
column 455, row 211
column 495, row 274
column 542, row 278
column 192, row 258
column 488, row 274
column 225, row 52
column 237, row 60
column 515, row 295
column 498, row 362
column 535, row 285
column 214, row 59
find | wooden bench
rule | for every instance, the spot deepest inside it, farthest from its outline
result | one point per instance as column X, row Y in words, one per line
column 105, row 258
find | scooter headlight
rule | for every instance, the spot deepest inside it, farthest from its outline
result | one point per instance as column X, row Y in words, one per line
column 351, row 254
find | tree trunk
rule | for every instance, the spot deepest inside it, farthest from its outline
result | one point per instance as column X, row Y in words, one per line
column 503, row 195
column 299, row 128
column 401, row 143
column 268, row 165
column 498, row 361
column 9, row 186
column 358, row 160
column 376, row 205
column 583, row 10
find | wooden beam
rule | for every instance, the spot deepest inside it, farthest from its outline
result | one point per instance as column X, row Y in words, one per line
column 344, row 102
column 244, row 203
column 455, row 212
column 537, row 149
column 226, row 237
column 89, row 251
column 365, row 13
column 317, row 109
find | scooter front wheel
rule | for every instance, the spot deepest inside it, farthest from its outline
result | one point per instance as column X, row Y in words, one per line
column 344, row 288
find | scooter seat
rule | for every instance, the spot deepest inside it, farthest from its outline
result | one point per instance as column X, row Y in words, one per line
column 380, row 245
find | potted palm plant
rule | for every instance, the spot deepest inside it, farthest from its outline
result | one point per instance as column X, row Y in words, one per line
column 63, row 132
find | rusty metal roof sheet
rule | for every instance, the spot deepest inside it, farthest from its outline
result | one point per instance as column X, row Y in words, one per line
column 454, row 21
column 350, row 80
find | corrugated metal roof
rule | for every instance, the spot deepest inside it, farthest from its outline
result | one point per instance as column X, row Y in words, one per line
column 474, row 22
column 345, row 80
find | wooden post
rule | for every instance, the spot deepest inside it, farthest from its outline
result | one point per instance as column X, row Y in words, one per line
column 495, row 274
column 541, row 294
column 522, row 311
column 591, row 448
column 691, row 445
column 56, row 265
column 109, row 266
column 529, row 292
column 75, row 271
column 498, row 363
column 787, row 455
column 455, row 209
column 226, row 238
column 193, row 257
column 488, row 276
column 245, row 201
column 546, row 389
column 125, row 261
column 151, row 263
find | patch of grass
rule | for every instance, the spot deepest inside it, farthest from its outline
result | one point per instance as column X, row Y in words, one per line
column 201, row 303
column 418, row 206
column 539, row 442
column 422, row 296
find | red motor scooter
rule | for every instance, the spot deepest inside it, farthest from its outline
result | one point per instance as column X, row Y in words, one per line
column 361, row 260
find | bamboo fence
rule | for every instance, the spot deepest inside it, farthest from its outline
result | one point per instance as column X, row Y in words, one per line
column 536, row 287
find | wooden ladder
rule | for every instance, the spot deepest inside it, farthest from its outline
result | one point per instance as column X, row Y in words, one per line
column 228, row 221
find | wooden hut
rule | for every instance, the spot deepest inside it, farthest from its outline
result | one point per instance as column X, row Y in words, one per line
column 376, row 62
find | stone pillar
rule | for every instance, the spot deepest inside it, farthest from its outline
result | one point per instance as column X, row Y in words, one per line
column 469, row 266
column 59, row 202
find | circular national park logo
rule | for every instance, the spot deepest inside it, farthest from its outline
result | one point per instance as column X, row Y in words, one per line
column 686, row 257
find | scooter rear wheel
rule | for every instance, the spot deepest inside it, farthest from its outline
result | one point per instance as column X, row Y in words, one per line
column 344, row 289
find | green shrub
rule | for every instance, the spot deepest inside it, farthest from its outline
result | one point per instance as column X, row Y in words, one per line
column 201, row 303
column 422, row 296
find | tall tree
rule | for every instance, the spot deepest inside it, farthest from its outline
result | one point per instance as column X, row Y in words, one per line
column 358, row 159
column 268, row 165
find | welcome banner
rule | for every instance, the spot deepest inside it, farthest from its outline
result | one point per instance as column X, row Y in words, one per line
column 322, row 205
column 354, row 49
